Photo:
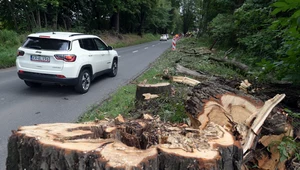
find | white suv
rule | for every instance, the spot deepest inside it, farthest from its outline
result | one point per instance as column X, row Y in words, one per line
column 65, row 58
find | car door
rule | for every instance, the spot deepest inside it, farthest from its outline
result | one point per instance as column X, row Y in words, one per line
column 94, row 55
column 104, row 53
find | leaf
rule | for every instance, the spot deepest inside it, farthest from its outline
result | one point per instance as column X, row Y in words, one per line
column 280, row 5
column 276, row 11
column 296, row 14
column 282, row 158
column 292, row 1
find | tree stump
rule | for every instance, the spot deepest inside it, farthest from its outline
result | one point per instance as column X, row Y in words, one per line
column 139, row 144
column 160, row 89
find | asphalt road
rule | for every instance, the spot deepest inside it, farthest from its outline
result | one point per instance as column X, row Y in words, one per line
column 21, row 105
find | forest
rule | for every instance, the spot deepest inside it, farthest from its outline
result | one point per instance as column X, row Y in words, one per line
column 265, row 32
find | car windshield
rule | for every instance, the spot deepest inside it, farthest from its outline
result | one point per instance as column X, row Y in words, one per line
column 46, row 44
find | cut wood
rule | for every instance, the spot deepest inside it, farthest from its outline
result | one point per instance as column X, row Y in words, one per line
column 162, row 89
column 261, row 116
column 149, row 96
column 185, row 80
column 240, row 113
column 138, row 144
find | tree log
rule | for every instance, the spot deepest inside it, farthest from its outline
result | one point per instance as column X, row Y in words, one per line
column 162, row 89
column 240, row 113
column 139, row 144
column 183, row 70
column 242, row 67
column 205, row 51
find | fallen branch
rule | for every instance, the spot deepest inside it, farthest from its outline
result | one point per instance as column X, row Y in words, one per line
column 243, row 67
column 183, row 70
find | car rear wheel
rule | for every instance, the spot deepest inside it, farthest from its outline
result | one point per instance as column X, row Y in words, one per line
column 32, row 84
column 114, row 69
column 84, row 82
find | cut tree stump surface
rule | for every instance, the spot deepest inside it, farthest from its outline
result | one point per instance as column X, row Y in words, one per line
column 138, row 144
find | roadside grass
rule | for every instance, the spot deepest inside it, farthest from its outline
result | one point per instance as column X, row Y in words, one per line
column 9, row 42
column 169, row 109
column 123, row 40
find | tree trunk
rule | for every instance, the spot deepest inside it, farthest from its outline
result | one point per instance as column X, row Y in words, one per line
column 115, row 21
column 142, row 17
column 54, row 23
column 34, row 20
column 46, row 21
column 139, row 144
column 12, row 12
column 38, row 18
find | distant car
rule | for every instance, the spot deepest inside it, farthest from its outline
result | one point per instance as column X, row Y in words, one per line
column 163, row 37
column 65, row 58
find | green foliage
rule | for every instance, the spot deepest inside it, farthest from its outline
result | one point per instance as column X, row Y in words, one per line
column 286, row 147
column 252, row 22
column 9, row 38
column 129, row 16
column 287, row 65
column 295, row 117
column 222, row 28
column 9, row 41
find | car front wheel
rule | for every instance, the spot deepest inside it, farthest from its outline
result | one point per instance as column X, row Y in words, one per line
column 32, row 84
column 84, row 82
column 114, row 69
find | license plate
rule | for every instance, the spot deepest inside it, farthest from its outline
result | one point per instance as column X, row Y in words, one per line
column 45, row 59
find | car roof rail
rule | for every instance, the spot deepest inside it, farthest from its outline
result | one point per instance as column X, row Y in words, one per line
column 72, row 35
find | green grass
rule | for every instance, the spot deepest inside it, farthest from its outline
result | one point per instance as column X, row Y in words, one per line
column 119, row 103
column 9, row 42
column 170, row 108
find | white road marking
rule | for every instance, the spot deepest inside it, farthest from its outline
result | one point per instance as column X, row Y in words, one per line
column 153, row 45
column 135, row 51
column 146, row 48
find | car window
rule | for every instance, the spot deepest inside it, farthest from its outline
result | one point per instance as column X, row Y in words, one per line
column 87, row 44
column 100, row 45
column 46, row 44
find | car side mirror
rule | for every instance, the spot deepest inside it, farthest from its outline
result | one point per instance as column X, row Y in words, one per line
column 109, row 48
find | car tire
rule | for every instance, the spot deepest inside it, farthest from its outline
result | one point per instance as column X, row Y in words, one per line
column 114, row 68
column 32, row 84
column 84, row 82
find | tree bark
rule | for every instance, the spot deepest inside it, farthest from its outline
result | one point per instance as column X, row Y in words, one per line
column 46, row 21
column 38, row 18
column 115, row 21
column 180, row 69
